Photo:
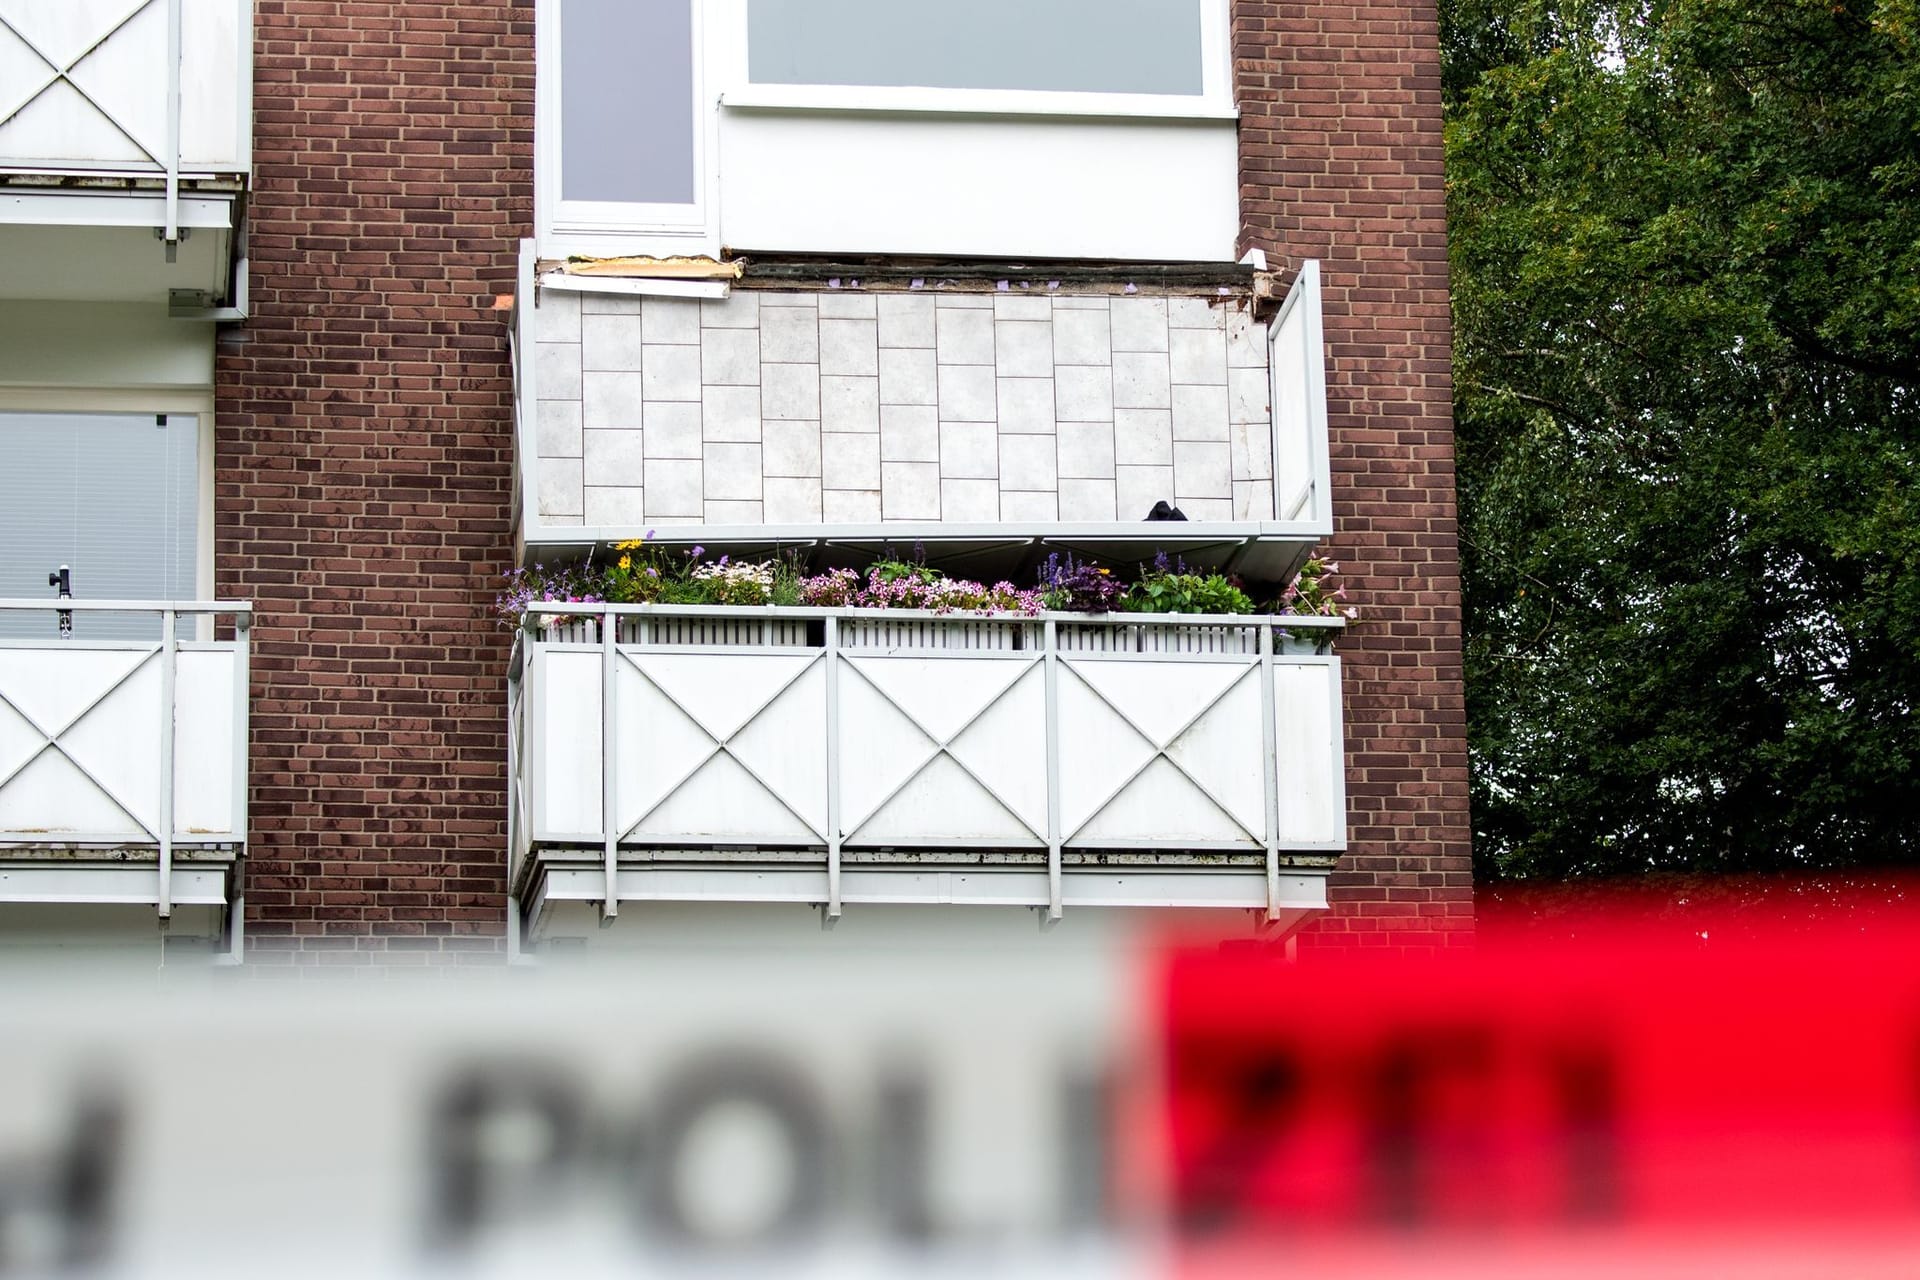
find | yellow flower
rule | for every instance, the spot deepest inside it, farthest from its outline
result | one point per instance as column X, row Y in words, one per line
column 1106, row 573
column 626, row 562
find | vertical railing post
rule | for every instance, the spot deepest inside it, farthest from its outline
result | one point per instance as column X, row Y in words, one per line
column 173, row 127
column 1270, row 775
column 609, row 765
column 242, row 754
column 1055, row 906
column 514, row 815
column 833, row 767
column 165, row 824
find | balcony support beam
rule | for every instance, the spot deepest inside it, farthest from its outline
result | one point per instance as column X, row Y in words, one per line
column 609, row 763
column 1271, row 773
column 168, row 622
column 172, row 158
column 832, row 911
column 1056, row 898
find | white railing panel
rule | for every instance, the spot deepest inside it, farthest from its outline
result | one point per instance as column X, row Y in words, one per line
column 85, row 84
column 949, row 748
column 722, row 747
column 203, row 742
column 83, row 747
column 126, row 743
column 1308, row 747
column 216, row 85
column 1166, row 750
column 565, row 690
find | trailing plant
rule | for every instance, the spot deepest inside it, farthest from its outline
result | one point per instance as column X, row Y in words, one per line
column 561, row 584
column 1308, row 594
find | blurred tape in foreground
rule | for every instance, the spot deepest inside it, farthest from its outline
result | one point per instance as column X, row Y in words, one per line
column 935, row 1097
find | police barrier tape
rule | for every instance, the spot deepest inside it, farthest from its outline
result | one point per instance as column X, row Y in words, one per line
column 1082, row 1102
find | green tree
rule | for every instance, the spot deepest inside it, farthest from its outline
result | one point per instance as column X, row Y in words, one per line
column 1686, row 272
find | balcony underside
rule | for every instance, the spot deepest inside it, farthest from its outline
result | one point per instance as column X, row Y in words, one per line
column 562, row 889
column 94, row 246
column 116, row 876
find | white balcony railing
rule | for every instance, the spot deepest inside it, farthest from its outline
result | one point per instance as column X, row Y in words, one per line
column 684, row 732
column 143, row 88
column 116, row 751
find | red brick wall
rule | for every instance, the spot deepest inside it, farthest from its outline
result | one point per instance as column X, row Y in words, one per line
column 363, row 463
column 1342, row 160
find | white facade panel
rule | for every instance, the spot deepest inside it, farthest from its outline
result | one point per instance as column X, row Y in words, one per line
column 852, row 182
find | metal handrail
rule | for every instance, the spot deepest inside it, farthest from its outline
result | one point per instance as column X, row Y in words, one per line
column 71, row 604
column 1305, row 621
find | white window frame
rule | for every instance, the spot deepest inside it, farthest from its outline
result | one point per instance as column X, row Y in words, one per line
column 728, row 33
column 142, row 401
column 596, row 228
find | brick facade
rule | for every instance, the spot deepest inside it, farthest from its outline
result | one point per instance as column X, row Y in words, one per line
column 363, row 463
column 1342, row 159
column 364, row 452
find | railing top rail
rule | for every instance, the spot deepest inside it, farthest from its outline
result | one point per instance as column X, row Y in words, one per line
column 72, row 605
column 750, row 612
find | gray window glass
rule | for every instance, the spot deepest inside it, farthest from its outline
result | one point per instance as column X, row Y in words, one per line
column 1089, row 46
column 115, row 497
column 626, row 101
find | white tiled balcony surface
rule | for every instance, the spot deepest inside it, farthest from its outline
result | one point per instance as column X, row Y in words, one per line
column 857, row 407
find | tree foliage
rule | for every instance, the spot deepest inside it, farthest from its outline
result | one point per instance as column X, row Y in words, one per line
column 1686, row 273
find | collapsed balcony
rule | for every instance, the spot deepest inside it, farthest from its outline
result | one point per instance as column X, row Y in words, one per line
column 988, row 413
column 852, row 757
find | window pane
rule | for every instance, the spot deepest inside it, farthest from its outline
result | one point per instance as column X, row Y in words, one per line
column 1089, row 46
column 626, row 101
column 115, row 497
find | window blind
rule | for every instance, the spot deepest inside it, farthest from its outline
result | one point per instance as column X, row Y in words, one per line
column 116, row 498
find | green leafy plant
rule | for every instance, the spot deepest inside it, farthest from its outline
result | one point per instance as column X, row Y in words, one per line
column 1168, row 588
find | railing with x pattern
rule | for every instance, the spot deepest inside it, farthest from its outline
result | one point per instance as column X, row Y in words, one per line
column 838, row 730
column 125, row 745
column 128, row 87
